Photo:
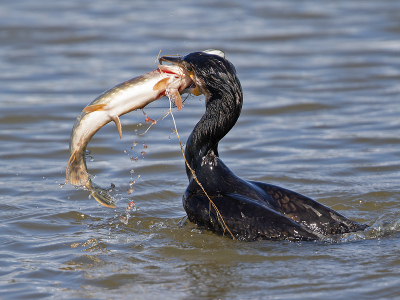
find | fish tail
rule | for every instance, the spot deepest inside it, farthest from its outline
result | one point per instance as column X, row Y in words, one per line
column 76, row 173
column 102, row 196
column 77, row 176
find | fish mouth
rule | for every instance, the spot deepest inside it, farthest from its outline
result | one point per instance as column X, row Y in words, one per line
column 176, row 65
column 180, row 62
column 176, row 61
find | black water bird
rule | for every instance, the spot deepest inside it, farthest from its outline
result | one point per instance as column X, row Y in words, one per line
column 250, row 210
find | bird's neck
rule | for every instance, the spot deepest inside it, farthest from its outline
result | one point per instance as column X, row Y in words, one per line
column 222, row 111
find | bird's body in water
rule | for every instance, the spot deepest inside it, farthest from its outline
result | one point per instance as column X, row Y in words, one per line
column 250, row 210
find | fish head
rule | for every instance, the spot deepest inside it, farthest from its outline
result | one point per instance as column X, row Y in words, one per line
column 182, row 76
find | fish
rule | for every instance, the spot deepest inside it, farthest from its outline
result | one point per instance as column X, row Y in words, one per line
column 136, row 93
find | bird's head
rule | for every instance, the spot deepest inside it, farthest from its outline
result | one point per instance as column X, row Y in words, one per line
column 211, row 72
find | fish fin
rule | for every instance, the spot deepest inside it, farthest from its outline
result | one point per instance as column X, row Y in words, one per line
column 177, row 99
column 76, row 173
column 161, row 85
column 94, row 107
column 102, row 196
column 118, row 123
column 196, row 91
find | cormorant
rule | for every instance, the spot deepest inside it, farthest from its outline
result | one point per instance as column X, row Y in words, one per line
column 250, row 210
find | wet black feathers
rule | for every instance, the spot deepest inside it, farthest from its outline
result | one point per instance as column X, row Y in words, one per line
column 251, row 210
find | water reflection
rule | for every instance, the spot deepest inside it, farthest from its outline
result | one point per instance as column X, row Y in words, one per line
column 320, row 116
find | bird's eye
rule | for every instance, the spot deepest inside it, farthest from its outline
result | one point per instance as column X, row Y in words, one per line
column 188, row 68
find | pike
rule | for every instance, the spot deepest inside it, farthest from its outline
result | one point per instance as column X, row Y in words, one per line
column 136, row 93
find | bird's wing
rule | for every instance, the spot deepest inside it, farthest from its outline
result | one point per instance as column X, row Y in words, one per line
column 308, row 212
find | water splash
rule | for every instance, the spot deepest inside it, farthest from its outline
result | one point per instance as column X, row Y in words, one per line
column 131, row 205
column 379, row 229
column 125, row 218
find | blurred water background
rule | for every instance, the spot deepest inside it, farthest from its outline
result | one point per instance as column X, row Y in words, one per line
column 321, row 116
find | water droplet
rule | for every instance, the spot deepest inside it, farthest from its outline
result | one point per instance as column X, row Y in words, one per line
column 87, row 152
column 140, row 124
column 169, row 137
column 134, row 159
column 91, row 158
column 138, row 176
column 125, row 151
column 123, row 219
column 143, row 153
column 130, row 190
column 132, row 171
column 144, row 146
column 112, row 185
column 132, row 148
column 135, row 143
column 130, row 182
column 130, row 206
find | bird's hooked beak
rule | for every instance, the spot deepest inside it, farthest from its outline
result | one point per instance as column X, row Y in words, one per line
column 176, row 60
